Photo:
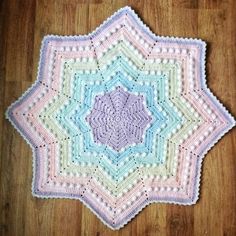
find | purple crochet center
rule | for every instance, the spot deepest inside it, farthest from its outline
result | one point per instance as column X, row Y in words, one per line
column 118, row 119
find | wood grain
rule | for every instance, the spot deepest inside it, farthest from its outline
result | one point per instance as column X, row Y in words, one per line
column 23, row 23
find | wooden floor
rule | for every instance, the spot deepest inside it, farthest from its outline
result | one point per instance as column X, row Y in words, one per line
column 22, row 26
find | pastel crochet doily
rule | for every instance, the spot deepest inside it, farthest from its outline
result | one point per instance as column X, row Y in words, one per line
column 120, row 118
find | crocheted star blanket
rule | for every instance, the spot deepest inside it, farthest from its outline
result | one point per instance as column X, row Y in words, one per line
column 120, row 118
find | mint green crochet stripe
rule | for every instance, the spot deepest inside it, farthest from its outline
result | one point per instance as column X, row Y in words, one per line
column 109, row 167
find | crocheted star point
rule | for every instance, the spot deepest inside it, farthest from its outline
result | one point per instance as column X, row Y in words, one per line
column 120, row 118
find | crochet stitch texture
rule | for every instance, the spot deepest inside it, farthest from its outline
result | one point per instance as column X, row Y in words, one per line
column 120, row 118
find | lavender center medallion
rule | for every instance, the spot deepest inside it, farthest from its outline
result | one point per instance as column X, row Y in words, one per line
column 118, row 119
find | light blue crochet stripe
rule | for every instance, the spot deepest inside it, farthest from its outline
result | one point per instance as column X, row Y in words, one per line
column 67, row 118
column 118, row 79
column 119, row 65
